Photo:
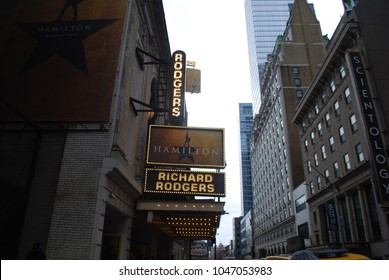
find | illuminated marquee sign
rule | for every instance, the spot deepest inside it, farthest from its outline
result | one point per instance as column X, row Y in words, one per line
column 185, row 182
column 177, row 105
column 378, row 155
column 185, row 146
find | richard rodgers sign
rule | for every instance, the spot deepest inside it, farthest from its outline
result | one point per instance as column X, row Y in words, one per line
column 185, row 182
column 185, row 146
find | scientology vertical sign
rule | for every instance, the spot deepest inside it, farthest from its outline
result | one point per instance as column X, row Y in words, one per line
column 378, row 156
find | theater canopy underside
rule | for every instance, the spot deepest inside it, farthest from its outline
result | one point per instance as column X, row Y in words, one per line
column 194, row 220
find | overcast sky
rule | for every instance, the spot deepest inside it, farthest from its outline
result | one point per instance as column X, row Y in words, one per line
column 213, row 33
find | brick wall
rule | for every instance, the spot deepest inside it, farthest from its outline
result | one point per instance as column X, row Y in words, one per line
column 76, row 198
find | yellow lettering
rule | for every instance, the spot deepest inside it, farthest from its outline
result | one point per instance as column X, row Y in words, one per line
column 182, row 177
column 194, row 187
column 186, row 187
column 176, row 92
column 208, row 178
column 159, row 186
column 177, row 187
column 178, row 65
column 177, row 83
column 173, row 176
column 176, row 112
column 176, row 101
column 191, row 178
column 202, row 188
column 177, row 74
column 178, row 57
column 168, row 186
column 161, row 176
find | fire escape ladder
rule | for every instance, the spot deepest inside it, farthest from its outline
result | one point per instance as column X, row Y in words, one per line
column 162, row 89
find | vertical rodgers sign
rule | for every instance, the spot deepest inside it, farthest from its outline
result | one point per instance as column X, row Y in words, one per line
column 378, row 156
column 177, row 100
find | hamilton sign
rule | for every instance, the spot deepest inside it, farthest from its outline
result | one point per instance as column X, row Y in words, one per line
column 186, row 146
column 185, row 182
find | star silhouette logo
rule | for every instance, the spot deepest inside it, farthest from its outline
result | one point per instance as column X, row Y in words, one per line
column 186, row 151
column 63, row 38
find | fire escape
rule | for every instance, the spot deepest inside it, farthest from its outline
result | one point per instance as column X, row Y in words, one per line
column 160, row 107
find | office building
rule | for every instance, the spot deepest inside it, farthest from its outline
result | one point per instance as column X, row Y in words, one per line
column 343, row 124
column 247, row 234
column 236, row 233
column 246, row 124
column 265, row 21
column 275, row 152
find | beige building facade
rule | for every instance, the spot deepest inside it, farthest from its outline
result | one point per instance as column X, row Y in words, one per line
column 275, row 153
column 344, row 141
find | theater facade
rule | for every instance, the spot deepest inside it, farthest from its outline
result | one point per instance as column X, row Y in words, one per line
column 85, row 88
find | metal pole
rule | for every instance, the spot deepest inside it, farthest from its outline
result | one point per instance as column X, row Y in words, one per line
column 215, row 248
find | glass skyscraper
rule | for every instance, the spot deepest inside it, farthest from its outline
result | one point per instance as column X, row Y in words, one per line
column 246, row 122
column 265, row 20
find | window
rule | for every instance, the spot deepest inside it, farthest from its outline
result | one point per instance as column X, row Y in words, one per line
column 299, row 93
column 306, row 145
column 332, row 143
column 332, row 85
column 297, row 82
column 300, row 203
column 318, row 181
column 319, row 129
column 342, row 136
column 312, row 188
column 328, row 120
column 336, row 169
column 303, row 230
column 313, row 137
column 317, row 109
column 336, row 108
column 309, row 166
column 316, row 159
column 358, row 149
column 309, row 116
column 353, row 123
column 323, row 152
column 347, row 95
column 296, row 70
column 342, row 71
column 303, row 125
column 323, row 96
column 327, row 175
column 346, row 160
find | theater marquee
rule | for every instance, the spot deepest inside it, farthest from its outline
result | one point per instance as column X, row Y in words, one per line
column 185, row 182
column 186, row 146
